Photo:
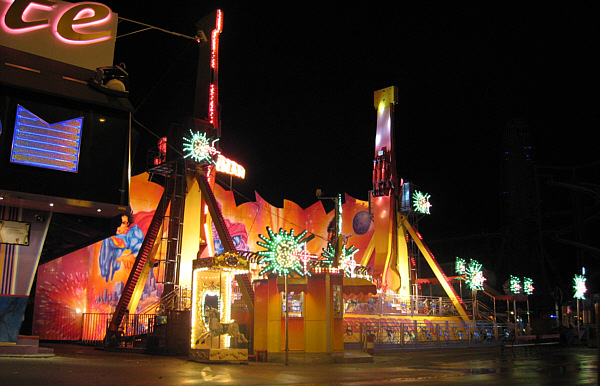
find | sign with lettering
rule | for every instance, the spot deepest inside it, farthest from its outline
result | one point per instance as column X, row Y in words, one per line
column 81, row 34
column 14, row 232
column 227, row 166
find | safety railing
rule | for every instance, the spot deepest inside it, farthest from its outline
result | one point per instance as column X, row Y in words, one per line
column 392, row 304
column 389, row 335
column 94, row 326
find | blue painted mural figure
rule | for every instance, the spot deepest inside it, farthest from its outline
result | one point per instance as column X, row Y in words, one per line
column 238, row 233
column 120, row 248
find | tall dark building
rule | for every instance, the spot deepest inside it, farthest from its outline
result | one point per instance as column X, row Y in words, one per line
column 522, row 248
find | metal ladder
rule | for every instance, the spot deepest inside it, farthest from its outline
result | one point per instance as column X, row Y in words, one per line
column 140, row 262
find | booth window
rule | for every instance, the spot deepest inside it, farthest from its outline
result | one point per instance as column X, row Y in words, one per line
column 296, row 302
column 338, row 309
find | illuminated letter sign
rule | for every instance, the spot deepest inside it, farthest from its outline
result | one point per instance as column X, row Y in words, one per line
column 50, row 28
column 214, row 65
column 69, row 25
column 37, row 143
column 81, row 16
column 227, row 166
column 20, row 10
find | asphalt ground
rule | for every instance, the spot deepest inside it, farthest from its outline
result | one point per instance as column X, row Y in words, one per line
column 83, row 365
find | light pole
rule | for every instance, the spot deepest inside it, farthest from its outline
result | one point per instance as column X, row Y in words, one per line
column 287, row 317
column 337, row 239
column 281, row 257
column 580, row 289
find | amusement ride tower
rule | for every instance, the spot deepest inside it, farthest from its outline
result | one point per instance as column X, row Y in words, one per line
column 388, row 251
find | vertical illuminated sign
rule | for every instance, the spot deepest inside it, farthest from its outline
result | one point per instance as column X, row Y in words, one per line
column 214, row 66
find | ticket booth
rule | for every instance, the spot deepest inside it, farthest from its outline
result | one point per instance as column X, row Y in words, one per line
column 315, row 318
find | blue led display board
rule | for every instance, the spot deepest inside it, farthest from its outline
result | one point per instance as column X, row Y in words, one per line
column 52, row 146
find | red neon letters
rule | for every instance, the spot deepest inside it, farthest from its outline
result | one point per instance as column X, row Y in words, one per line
column 68, row 21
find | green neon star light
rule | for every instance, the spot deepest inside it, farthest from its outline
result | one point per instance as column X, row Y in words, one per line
column 421, row 202
column 283, row 250
column 528, row 286
column 199, row 147
column 460, row 267
column 579, row 287
column 474, row 275
column 346, row 261
column 515, row 285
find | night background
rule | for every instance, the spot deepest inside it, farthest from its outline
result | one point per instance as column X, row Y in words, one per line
column 296, row 93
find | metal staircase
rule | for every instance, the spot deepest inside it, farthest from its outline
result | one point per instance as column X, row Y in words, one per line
column 140, row 262
column 173, row 223
column 174, row 195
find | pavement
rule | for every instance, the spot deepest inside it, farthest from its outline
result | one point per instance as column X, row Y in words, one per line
column 84, row 365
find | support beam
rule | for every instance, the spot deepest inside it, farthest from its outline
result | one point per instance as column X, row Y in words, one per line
column 243, row 280
column 435, row 267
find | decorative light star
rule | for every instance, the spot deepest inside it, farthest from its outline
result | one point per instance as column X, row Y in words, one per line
column 515, row 285
column 346, row 261
column 421, row 202
column 474, row 275
column 200, row 148
column 579, row 287
column 283, row 251
column 460, row 266
column 305, row 256
column 528, row 285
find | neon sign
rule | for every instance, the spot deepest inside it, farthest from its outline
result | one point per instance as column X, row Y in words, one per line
column 515, row 285
column 474, row 275
column 38, row 143
column 460, row 266
column 227, row 166
column 421, row 202
column 282, row 252
column 80, row 23
column 528, row 285
column 579, row 287
column 199, row 147
column 346, row 259
column 214, row 65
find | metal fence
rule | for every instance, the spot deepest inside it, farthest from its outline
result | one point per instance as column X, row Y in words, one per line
column 94, row 326
column 388, row 334
column 392, row 304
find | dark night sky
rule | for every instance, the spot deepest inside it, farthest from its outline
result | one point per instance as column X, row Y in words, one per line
column 297, row 83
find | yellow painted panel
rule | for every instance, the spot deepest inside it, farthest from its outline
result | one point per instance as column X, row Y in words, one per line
column 403, row 263
column 260, row 315
column 315, row 336
column 190, row 239
column 274, row 335
column 295, row 334
column 338, row 334
column 315, row 298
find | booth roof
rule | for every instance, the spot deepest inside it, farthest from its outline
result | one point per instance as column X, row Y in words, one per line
column 354, row 286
